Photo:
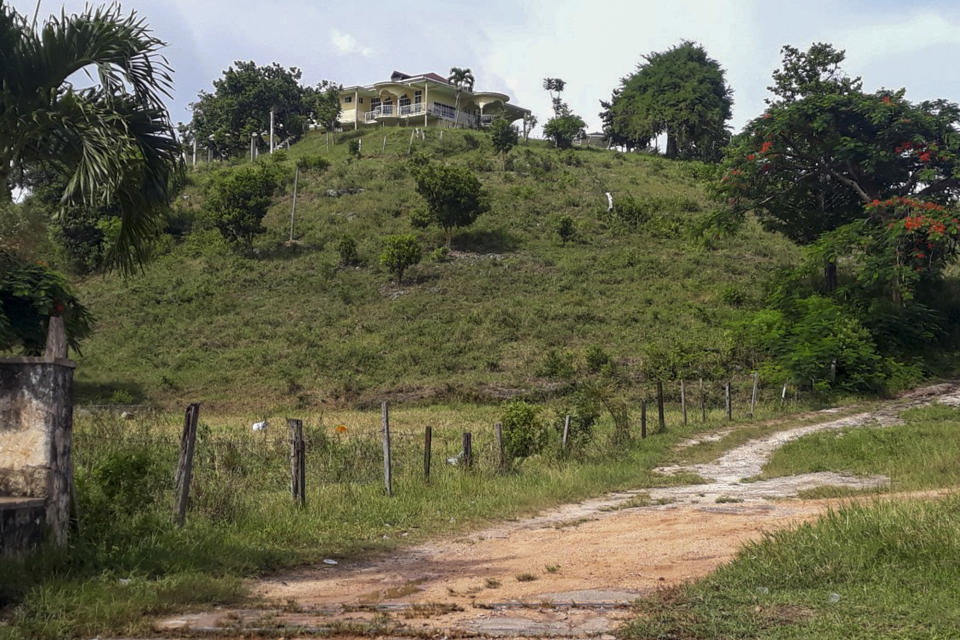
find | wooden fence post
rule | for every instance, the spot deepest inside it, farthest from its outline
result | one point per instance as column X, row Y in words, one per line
column 298, row 475
column 753, row 394
column 427, row 442
column 783, row 395
column 387, row 467
column 467, row 449
column 662, row 423
column 188, row 441
column 683, row 401
column 703, row 403
column 643, row 419
column 566, row 434
column 501, row 454
column 729, row 405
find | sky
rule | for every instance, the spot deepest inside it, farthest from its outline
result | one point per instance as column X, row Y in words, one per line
column 510, row 46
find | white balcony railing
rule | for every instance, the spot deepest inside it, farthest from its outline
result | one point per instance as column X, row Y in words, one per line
column 419, row 109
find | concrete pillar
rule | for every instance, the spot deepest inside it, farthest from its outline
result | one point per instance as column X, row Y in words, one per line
column 36, row 427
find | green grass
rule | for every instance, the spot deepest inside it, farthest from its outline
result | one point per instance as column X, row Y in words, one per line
column 889, row 570
column 919, row 454
column 287, row 327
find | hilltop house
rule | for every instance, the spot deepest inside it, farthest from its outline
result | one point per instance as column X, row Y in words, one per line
column 426, row 99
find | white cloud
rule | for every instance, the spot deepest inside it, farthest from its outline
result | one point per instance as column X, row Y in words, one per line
column 346, row 44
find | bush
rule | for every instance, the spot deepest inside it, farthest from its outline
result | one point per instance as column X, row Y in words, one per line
column 597, row 359
column 564, row 129
column 238, row 199
column 453, row 195
column 504, row 136
column 524, row 434
column 584, row 412
column 347, row 250
column 401, row 252
column 440, row 254
column 566, row 229
column 557, row 364
column 354, row 148
column 29, row 295
column 131, row 480
column 314, row 162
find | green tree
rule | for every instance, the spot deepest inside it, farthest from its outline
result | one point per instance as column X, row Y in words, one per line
column 323, row 102
column 112, row 143
column 563, row 130
column 681, row 93
column 461, row 79
column 241, row 102
column 504, row 136
column 237, row 199
column 400, row 253
column 565, row 126
column 453, row 194
column 824, row 150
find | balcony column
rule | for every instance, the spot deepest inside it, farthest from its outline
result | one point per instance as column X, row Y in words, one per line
column 356, row 110
column 426, row 94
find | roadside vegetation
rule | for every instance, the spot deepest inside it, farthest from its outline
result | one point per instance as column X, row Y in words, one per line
column 918, row 454
column 127, row 561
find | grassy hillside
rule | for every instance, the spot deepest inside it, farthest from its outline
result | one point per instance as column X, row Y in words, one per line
column 288, row 326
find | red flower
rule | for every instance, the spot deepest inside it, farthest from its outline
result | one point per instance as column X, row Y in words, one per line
column 921, row 255
column 766, row 146
column 925, row 157
column 752, row 156
column 886, row 99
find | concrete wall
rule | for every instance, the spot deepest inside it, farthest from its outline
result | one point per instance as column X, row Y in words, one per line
column 36, row 426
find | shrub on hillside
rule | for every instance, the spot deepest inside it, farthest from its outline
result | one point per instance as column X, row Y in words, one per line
column 453, row 194
column 503, row 135
column 400, row 253
column 238, row 199
column 566, row 229
column 524, row 433
column 347, row 250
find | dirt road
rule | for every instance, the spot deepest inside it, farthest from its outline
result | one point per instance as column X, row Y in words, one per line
column 570, row 572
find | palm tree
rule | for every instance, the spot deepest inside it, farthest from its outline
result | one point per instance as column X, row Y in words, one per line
column 461, row 79
column 113, row 141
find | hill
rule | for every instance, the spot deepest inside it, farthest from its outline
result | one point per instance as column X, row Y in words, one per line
column 507, row 311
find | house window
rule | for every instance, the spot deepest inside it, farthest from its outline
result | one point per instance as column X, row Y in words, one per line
column 404, row 101
column 417, row 96
column 445, row 110
column 374, row 104
column 347, row 99
column 360, row 100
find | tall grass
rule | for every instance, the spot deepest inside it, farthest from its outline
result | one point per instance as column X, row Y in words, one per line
column 918, row 454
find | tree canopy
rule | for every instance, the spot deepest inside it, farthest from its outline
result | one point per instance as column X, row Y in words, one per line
column 681, row 93
column 453, row 194
column 565, row 126
column 243, row 97
column 111, row 142
column 824, row 149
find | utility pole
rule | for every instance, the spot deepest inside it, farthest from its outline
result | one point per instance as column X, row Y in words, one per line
column 271, row 129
